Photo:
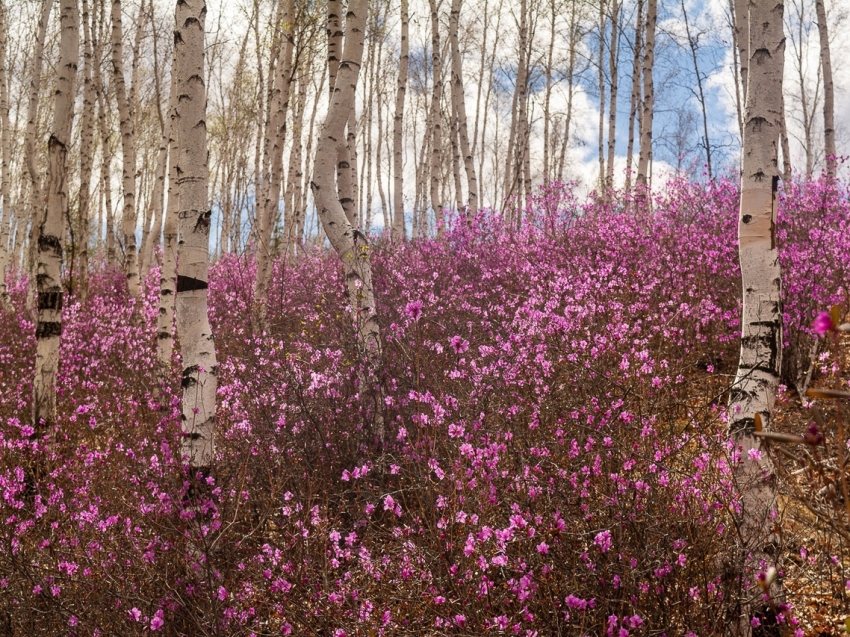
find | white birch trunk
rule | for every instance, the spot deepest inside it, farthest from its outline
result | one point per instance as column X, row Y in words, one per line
column 399, row 231
column 828, row 91
column 128, row 148
column 753, row 393
column 271, row 203
column 460, row 109
column 51, row 228
column 193, row 326
column 351, row 245
column 5, row 157
column 436, row 116
column 634, row 102
column 648, row 95
column 86, row 159
column 168, row 275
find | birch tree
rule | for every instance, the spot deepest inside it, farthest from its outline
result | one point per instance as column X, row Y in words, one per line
column 196, row 340
column 460, row 109
column 128, row 149
column 5, row 158
column 648, row 94
column 828, row 90
column 351, row 246
column 51, row 227
column 752, row 396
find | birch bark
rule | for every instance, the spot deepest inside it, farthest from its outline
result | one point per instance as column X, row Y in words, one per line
column 753, row 394
column 828, row 91
column 460, row 109
column 648, row 95
column 351, row 246
column 196, row 340
column 128, row 149
column 398, row 122
column 51, row 229
column 436, row 116
column 5, row 157
column 634, row 103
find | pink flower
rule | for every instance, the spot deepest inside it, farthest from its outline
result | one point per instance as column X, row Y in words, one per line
column 823, row 324
column 157, row 622
column 414, row 310
column 459, row 344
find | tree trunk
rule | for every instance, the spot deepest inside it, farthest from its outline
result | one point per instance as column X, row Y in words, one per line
column 753, row 394
column 648, row 95
column 436, row 116
column 460, row 109
column 398, row 122
column 193, row 326
column 736, row 66
column 635, row 99
column 51, row 228
column 152, row 237
column 168, row 274
column 5, row 157
column 35, row 190
column 128, row 148
column 828, row 91
column 601, row 83
column 86, row 158
column 351, row 245
column 613, row 71
column 271, row 203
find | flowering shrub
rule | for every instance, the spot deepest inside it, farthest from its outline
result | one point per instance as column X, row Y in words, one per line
column 554, row 458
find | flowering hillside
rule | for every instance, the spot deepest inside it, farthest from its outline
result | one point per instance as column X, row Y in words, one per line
column 552, row 458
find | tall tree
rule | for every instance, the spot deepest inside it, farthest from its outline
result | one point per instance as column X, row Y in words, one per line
column 645, row 158
column 351, row 245
column 51, row 227
column 436, row 115
column 459, row 100
column 128, row 149
column 828, row 90
column 5, row 158
column 193, row 325
column 86, row 157
column 752, row 396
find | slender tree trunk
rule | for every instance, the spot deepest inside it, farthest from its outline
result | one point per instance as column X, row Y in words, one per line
column 571, row 66
column 547, row 97
column 168, row 274
column 753, row 394
column 351, row 245
column 379, row 102
column 613, row 57
column 86, row 157
column 648, row 95
column 152, row 237
column 193, row 326
column 601, row 82
column 742, row 31
column 271, row 204
column 460, row 108
column 35, row 198
column 786, row 150
column 828, row 91
column 436, row 115
column 51, row 228
column 128, row 148
column 399, row 232
column 5, row 157
column 635, row 99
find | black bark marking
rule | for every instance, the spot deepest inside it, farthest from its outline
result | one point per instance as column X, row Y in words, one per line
column 50, row 301
column 47, row 329
column 190, row 284
column 163, row 335
column 50, row 243
column 188, row 378
column 747, row 218
column 743, row 426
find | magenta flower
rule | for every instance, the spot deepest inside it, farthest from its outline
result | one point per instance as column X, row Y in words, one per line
column 413, row 310
column 823, row 324
column 459, row 344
